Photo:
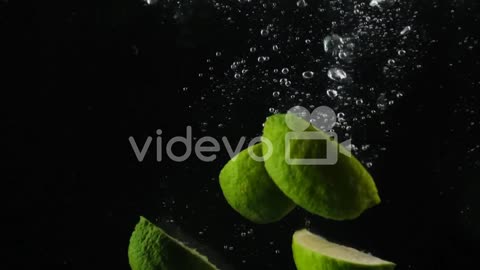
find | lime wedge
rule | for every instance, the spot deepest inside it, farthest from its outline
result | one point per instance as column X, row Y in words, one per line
column 152, row 249
column 339, row 190
column 249, row 189
column 312, row 252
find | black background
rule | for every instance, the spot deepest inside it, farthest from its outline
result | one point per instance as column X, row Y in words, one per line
column 73, row 92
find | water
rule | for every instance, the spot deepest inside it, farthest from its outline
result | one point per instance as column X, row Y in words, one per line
column 401, row 79
column 355, row 57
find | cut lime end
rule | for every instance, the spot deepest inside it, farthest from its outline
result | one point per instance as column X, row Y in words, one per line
column 321, row 245
column 315, row 252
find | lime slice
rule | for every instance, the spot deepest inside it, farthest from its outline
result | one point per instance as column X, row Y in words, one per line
column 340, row 190
column 250, row 191
column 312, row 252
column 152, row 249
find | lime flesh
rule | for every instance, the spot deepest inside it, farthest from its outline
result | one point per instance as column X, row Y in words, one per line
column 312, row 252
column 338, row 191
column 151, row 248
column 249, row 189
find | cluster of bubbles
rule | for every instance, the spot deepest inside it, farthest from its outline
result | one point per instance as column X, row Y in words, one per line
column 352, row 56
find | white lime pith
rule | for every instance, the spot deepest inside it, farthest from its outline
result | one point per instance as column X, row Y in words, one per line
column 312, row 252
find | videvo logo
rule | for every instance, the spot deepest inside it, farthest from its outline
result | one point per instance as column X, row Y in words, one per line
column 322, row 118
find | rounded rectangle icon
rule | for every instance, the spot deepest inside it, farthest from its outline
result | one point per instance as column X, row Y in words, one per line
column 331, row 154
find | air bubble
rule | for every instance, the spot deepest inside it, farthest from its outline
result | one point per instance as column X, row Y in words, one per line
column 151, row 2
column 406, row 30
column 308, row 74
column 332, row 44
column 337, row 74
column 264, row 32
column 332, row 93
column 262, row 59
column 302, row 3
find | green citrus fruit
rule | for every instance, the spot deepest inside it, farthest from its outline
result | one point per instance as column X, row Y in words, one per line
column 340, row 190
column 250, row 191
column 312, row 252
column 152, row 249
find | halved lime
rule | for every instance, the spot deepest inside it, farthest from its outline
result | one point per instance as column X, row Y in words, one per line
column 312, row 252
column 340, row 188
column 250, row 191
column 151, row 248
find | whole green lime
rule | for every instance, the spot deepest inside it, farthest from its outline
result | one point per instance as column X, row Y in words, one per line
column 312, row 252
column 151, row 248
column 339, row 189
column 249, row 189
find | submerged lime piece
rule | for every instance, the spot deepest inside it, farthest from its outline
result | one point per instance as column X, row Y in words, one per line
column 312, row 252
column 151, row 248
column 249, row 189
column 340, row 190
